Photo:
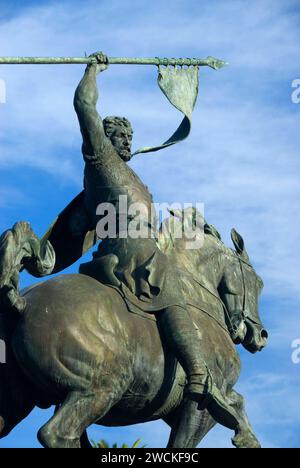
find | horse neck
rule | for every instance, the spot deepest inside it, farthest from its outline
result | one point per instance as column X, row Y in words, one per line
column 204, row 271
column 211, row 268
column 204, row 264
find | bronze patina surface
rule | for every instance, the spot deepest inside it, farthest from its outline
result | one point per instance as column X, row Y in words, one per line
column 148, row 328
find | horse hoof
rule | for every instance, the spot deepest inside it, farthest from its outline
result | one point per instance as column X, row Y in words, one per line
column 48, row 439
column 246, row 440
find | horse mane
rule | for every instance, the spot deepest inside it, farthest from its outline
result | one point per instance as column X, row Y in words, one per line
column 174, row 225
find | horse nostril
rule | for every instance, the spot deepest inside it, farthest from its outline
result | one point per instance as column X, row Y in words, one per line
column 264, row 334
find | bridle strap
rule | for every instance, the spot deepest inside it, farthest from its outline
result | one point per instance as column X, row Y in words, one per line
column 244, row 286
column 216, row 297
column 245, row 316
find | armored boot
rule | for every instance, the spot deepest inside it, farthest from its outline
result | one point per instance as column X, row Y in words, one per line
column 182, row 338
column 210, row 397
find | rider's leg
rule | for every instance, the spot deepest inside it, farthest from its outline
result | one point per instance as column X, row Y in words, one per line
column 181, row 336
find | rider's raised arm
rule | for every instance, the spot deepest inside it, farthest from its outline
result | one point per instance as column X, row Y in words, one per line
column 85, row 100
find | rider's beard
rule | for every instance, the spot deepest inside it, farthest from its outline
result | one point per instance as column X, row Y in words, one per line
column 124, row 154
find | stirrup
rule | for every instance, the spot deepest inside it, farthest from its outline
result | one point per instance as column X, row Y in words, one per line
column 198, row 389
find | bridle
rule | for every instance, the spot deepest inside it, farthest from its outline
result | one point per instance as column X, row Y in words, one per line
column 244, row 314
column 232, row 328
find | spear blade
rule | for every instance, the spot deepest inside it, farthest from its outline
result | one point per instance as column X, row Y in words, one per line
column 216, row 64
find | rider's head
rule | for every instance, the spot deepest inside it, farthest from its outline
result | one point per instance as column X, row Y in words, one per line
column 119, row 131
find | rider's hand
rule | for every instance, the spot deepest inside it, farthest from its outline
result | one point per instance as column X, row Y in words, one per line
column 101, row 61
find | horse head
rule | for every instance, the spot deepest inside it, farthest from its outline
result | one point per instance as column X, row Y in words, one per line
column 227, row 272
column 239, row 290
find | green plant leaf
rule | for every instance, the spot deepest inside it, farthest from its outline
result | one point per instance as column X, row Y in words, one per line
column 103, row 444
column 136, row 443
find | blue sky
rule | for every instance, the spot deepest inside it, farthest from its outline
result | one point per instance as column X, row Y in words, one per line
column 241, row 159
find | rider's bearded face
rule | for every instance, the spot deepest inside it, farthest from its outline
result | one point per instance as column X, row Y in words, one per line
column 121, row 138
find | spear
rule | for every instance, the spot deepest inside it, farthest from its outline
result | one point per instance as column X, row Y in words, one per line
column 208, row 62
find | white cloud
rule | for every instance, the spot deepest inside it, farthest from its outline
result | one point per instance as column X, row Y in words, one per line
column 12, row 197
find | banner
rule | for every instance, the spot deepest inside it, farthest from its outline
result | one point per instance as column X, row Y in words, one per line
column 180, row 86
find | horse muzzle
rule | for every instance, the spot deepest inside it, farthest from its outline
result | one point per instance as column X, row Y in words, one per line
column 239, row 334
column 256, row 338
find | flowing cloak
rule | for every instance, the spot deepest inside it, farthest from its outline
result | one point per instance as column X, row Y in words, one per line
column 71, row 234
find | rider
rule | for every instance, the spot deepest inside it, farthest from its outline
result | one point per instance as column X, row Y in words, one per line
column 136, row 264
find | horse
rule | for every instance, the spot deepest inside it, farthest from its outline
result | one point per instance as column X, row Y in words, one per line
column 80, row 346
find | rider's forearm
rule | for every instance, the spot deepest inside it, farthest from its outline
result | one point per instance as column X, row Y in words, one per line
column 86, row 93
column 85, row 100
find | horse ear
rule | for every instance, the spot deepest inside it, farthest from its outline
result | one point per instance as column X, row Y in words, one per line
column 239, row 244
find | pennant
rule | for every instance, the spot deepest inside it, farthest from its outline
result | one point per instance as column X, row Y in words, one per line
column 180, row 86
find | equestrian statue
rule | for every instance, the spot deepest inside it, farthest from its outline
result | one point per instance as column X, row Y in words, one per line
column 148, row 328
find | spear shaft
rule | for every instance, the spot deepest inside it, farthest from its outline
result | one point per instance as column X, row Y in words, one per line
column 209, row 61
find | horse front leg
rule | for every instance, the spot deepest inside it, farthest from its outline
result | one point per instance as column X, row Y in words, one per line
column 189, row 425
column 21, row 248
column 244, row 435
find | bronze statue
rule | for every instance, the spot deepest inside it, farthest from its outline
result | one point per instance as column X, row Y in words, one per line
column 146, row 330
